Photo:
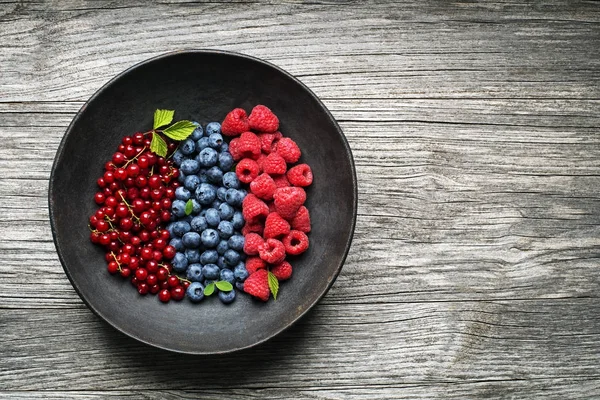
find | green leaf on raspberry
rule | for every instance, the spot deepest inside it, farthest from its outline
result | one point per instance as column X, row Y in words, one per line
column 224, row 286
column 189, row 207
column 163, row 117
column 209, row 289
column 158, row 145
column 180, row 130
column 273, row 284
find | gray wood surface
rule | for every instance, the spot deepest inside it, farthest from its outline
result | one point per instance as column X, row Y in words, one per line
column 474, row 268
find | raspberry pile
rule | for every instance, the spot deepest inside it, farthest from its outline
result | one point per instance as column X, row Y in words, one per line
column 135, row 198
column 207, row 236
column 276, row 219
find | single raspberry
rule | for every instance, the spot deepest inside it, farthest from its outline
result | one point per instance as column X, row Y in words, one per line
column 280, row 181
column 301, row 221
column 255, row 226
column 274, row 164
column 288, row 200
column 260, row 161
column 275, row 226
column 253, row 264
column 235, row 123
column 288, row 149
column 282, row 271
column 263, row 187
column 262, row 119
column 254, row 209
column 249, row 145
column 247, row 170
column 234, row 149
column 296, row 242
column 257, row 285
column 268, row 140
column 300, row 175
column 252, row 242
column 272, row 251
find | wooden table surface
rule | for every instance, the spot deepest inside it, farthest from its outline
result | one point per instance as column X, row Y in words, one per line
column 474, row 268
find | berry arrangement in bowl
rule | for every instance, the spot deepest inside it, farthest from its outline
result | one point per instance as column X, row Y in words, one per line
column 190, row 211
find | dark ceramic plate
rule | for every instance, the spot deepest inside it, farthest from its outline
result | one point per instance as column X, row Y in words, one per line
column 204, row 86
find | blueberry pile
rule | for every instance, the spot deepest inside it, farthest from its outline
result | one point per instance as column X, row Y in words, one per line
column 208, row 240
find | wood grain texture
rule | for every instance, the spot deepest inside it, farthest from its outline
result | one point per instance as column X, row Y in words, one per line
column 474, row 268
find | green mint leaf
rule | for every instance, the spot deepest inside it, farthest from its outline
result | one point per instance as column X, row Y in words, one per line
column 158, row 145
column 209, row 289
column 273, row 284
column 224, row 286
column 189, row 206
column 163, row 117
column 180, row 130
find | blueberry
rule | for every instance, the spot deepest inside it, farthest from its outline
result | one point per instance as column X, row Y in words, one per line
column 191, row 182
column 196, row 207
column 230, row 180
column 221, row 262
column 214, row 175
column 234, row 197
column 195, row 292
column 212, row 217
column 192, row 255
column 203, row 178
column 178, row 157
column 178, row 208
column 183, row 194
column 225, row 160
column 240, row 272
column 221, row 192
column 226, row 211
column 206, row 193
column 239, row 286
column 210, row 271
column 215, row 140
column 194, row 273
column 209, row 257
column 209, row 238
column 237, row 220
column 232, row 257
column 177, row 243
column 227, row 297
column 222, row 247
column 188, row 146
column 198, row 224
column 207, row 157
column 179, row 262
column 180, row 228
column 227, row 275
column 224, row 147
column 191, row 240
column 202, row 143
column 236, row 242
column 213, row 127
column 189, row 167
column 198, row 132
column 225, row 229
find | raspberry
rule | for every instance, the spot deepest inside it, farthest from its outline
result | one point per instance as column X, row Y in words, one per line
column 247, row 170
column 253, row 208
column 288, row 200
column 263, row 187
column 235, row 123
column 257, row 285
column 260, row 161
column 288, row 149
column 256, row 227
column 253, row 264
column 249, row 145
column 274, row 164
column 268, row 140
column 300, row 175
column 262, row 119
column 301, row 221
column 252, row 242
column 272, row 251
column 275, row 226
column 280, row 181
column 282, row 271
column 234, row 149
column 295, row 243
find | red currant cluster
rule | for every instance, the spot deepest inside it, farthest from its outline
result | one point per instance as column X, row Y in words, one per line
column 135, row 197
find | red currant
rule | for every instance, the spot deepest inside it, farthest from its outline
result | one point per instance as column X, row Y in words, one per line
column 141, row 274
column 119, row 158
column 164, row 295
column 173, row 281
column 177, row 293
column 162, row 274
column 169, row 252
column 113, row 267
column 143, row 288
column 151, row 279
column 154, row 289
column 99, row 198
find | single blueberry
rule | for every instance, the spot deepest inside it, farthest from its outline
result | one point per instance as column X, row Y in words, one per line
column 209, row 238
column 192, row 255
column 179, row 262
column 225, row 211
column 178, row 208
column 230, row 180
column 225, row 160
column 180, row 228
column 206, row 193
column 240, row 272
column 222, row 247
column 178, row 157
column 221, row 192
column 198, row 224
column 239, row 286
column 183, row 194
column 213, row 127
column 194, row 273
column 210, row 271
column 212, row 217
column 236, row 242
column 195, row 292
column 234, row 197
column 238, row 220
column 191, row 182
column 198, row 132
column 227, row 275
column 191, row 240
column 215, row 140
column 177, row 243
column 201, row 144
column 189, row 167
column 208, row 157
column 214, row 175
column 232, row 257
column 209, row 257
column 227, row 297
column 225, row 229
column 221, row 262
column 188, row 146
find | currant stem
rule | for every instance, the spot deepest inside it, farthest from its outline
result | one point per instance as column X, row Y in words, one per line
column 134, row 157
